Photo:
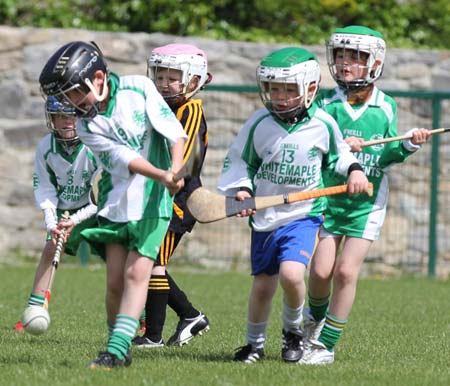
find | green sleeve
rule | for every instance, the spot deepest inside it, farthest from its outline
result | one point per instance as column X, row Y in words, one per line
column 250, row 156
column 394, row 152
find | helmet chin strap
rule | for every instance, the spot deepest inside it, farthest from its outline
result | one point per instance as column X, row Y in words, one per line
column 95, row 108
column 294, row 116
column 175, row 101
column 104, row 94
column 69, row 146
column 353, row 85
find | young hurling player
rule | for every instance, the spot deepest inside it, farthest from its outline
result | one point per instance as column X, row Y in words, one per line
column 139, row 142
column 282, row 148
column 179, row 71
column 63, row 168
column 355, row 57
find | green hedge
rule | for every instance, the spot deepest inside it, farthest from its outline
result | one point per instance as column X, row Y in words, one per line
column 405, row 23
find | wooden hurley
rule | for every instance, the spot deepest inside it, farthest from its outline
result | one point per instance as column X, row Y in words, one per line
column 55, row 262
column 207, row 206
column 93, row 193
column 400, row 138
column 191, row 160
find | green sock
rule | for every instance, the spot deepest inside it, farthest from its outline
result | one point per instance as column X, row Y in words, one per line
column 124, row 330
column 332, row 331
column 318, row 306
column 36, row 300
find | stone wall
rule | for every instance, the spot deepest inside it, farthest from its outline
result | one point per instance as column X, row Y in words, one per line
column 23, row 52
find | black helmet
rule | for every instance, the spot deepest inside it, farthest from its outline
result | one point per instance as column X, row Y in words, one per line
column 72, row 67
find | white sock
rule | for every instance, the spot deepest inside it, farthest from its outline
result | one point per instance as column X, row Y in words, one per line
column 256, row 334
column 292, row 318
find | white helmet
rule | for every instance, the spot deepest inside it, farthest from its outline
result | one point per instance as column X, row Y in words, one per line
column 188, row 59
column 359, row 39
column 290, row 65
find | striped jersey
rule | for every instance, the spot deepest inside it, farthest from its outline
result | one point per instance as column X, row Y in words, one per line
column 62, row 180
column 137, row 123
column 192, row 118
column 360, row 215
column 271, row 158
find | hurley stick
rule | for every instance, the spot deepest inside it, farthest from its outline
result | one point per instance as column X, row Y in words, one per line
column 191, row 158
column 55, row 262
column 93, row 193
column 400, row 138
column 207, row 206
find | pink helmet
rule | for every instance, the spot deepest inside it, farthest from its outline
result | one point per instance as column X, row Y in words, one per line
column 189, row 59
column 180, row 49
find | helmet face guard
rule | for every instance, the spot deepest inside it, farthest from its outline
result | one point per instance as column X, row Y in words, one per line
column 63, row 112
column 70, row 71
column 77, row 98
column 282, row 98
column 288, row 81
column 181, row 65
column 365, row 46
column 170, row 82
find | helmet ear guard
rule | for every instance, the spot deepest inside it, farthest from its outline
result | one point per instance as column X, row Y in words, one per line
column 209, row 78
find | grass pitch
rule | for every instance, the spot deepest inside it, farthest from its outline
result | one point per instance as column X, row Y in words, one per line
column 398, row 334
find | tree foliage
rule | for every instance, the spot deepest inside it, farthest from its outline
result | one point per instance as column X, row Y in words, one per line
column 404, row 23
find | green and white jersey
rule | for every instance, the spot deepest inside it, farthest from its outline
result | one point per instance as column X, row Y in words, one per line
column 137, row 123
column 271, row 158
column 360, row 215
column 61, row 180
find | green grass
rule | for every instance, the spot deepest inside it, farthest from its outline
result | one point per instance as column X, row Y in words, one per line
column 398, row 334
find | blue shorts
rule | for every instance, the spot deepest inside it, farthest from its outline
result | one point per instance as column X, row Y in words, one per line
column 292, row 242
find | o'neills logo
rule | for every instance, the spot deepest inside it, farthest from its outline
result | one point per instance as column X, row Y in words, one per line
column 49, row 86
column 88, row 65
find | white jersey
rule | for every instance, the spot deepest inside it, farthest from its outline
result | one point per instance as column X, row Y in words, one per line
column 272, row 158
column 61, row 180
column 137, row 123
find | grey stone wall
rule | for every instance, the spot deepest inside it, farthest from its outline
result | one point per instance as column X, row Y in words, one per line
column 23, row 52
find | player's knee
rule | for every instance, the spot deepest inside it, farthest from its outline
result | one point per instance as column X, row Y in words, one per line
column 319, row 275
column 291, row 279
column 139, row 272
column 345, row 275
column 263, row 291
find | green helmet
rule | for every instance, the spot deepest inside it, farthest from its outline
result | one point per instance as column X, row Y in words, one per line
column 359, row 39
column 290, row 65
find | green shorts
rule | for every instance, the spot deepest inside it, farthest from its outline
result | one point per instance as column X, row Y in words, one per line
column 145, row 235
column 75, row 238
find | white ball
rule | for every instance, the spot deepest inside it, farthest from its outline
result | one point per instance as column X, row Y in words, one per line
column 35, row 320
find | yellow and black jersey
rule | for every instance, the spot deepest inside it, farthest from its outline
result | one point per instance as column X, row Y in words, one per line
column 192, row 118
